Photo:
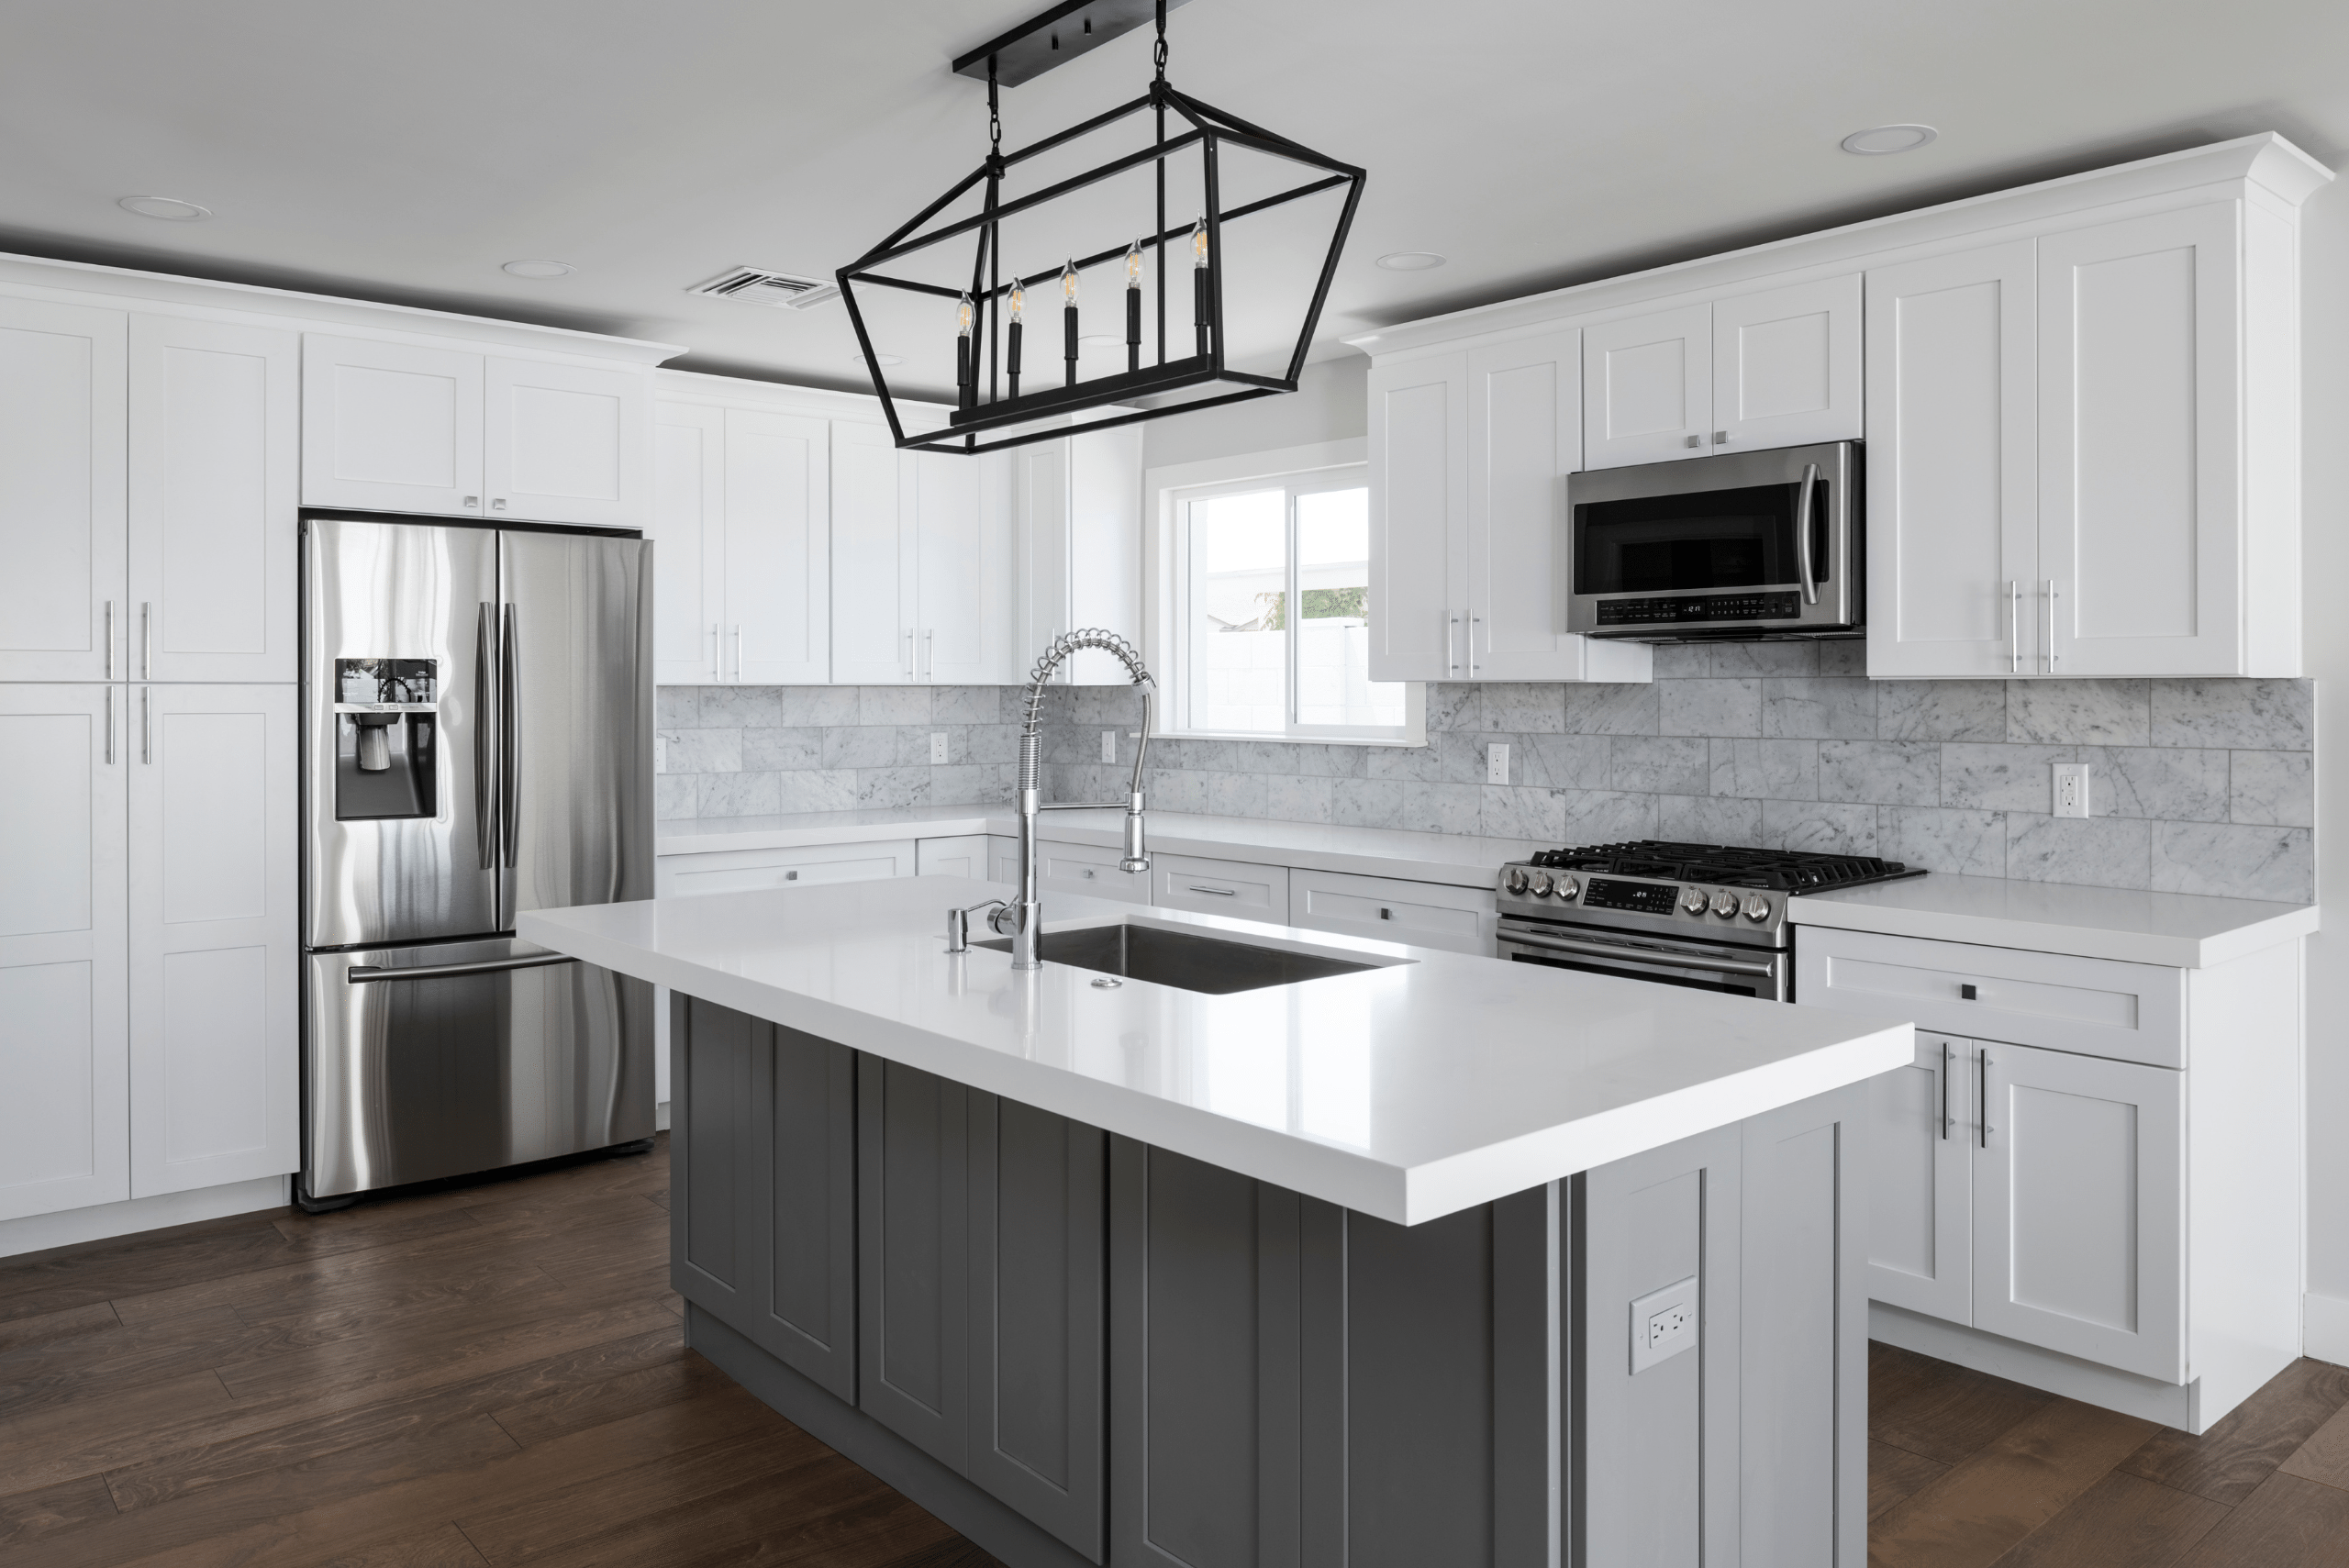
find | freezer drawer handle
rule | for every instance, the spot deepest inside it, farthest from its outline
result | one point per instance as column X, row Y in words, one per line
column 362, row 973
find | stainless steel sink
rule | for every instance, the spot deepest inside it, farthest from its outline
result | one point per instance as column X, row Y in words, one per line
column 1210, row 964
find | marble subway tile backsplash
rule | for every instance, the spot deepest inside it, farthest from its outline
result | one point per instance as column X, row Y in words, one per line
column 2196, row 786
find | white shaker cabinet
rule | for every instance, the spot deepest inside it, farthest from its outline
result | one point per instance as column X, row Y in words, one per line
column 1920, row 1158
column 874, row 637
column 1787, row 366
column 774, row 560
column 1077, row 515
column 564, row 443
column 64, row 1032
column 1418, row 518
column 1648, row 387
column 62, row 493
column 215, row 979
column 215, row 468
column 921, row 557
column 687, row 528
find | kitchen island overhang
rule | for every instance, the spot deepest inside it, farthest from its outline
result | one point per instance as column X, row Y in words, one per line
column 1428, row 1083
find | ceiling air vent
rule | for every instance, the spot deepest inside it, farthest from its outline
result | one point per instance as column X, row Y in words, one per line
column 758, row 285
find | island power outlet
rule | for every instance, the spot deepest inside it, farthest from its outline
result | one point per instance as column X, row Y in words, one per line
column 1664, row 1324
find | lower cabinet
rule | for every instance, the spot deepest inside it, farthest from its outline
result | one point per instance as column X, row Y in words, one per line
column 1424, row 913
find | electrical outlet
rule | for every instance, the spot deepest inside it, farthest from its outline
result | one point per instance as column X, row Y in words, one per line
column 1109, row 745
column 1497, row 763
column 2071, row 789
column 1664, row 1324
column 660, row 754
column 937, row 747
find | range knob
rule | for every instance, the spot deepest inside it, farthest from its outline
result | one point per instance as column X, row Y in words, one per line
column 1567, row 888
column 1541, row 884
column 1725, row 903
column 1756, row 907
column 1517, row 880
column 1693, row 900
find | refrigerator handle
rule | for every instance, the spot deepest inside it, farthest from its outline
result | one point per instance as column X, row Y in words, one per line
column 508, row 748
column 484, row 710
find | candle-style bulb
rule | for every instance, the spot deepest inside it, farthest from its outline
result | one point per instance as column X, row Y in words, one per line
column 1068, row 282
column 1019, row 301
column 1134, row 265
column 964, row 314
column 1199, row 242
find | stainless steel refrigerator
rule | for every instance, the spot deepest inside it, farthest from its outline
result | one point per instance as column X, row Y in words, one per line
column 477, row 740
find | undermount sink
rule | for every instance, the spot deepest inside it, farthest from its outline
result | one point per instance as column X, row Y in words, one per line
column 1214, row 965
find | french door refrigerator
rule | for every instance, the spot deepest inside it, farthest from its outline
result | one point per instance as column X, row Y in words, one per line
column 477, row 740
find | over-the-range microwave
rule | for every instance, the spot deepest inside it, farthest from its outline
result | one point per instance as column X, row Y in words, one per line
column 1739, row 545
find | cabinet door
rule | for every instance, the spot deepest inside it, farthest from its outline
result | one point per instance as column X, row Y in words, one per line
column 1920, row 1166
column 1953, row 465
column 215, row 483
column 776, row 558
column 1787, row 366
column 565, row 443
column 391, row 426
column 874, row 635
column 944, row 496
column 1039, row 508
column 2140, row 520
column 62, row 422
column 1525, row 437
column 1105, row 546
column 1039, row 1301
column 65, row 1077
column 688, row 531
column 1418, row 515
column 805, row 1306
column 1457, row 919
column 215, row 981
column 963, row 855
column 913, row 1255
column 1647, row 387
column 2079, row 1171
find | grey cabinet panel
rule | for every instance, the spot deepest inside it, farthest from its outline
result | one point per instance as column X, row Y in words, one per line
column 1038, row 1304
column 1656, row 1453
column 810, row 1316
column 913, row 1238
column 715, row 1238
column 1804, row 1388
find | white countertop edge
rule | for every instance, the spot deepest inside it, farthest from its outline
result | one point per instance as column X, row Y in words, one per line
column 2173, row 949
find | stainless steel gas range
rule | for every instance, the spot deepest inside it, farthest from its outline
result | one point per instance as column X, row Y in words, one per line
column 1704, row 916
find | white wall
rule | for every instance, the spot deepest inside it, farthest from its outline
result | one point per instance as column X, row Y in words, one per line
column 1331, row 402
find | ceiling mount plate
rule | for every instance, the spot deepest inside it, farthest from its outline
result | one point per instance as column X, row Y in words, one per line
column 1055, row 37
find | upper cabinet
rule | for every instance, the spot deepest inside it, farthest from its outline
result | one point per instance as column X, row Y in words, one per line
column 922, row 563
column 1469, row 454
column 1076, row 523
column 62, row 425
column 417, row 427
column 1777, row 367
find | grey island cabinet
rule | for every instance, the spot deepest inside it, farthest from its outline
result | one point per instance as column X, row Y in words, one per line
column 1137, row 1276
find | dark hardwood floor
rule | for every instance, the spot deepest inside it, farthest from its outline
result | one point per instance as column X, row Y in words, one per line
column 492, row 1375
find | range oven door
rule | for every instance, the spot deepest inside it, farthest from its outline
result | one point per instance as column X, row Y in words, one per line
column 1699, row 966
column 1745, row 542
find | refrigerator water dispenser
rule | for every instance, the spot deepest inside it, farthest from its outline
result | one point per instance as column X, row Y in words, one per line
column 386, row 713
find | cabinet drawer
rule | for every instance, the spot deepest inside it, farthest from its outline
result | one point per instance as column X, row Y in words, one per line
column 1075, row 868
column 1425, row 914
column 737, row 871
column 2091, row 1006
column 1220, row 887
column 966, row 855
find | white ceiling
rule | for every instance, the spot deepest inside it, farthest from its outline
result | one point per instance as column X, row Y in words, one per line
column 403, row 151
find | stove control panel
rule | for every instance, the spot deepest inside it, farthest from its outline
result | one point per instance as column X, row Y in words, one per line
column 1640, row 897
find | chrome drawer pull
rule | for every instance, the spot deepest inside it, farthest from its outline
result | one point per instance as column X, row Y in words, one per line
column 1219, row 892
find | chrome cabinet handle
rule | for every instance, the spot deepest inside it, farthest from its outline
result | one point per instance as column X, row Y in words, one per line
column 738, row 650
column 1802, row 534
column 716, row 658
column 498, row 504
column 109, row 726
column 146, row 725
column 109, row 640
column 509, row 761
column 2014, row 627
column 1452, row 644
column 1474, row 622
column 930, row 653
column 484, row 714
column 473, row 500
column 146, row 641
column 1944, row 1091
column 364, row 974
column 1982, row 1081
column 1219, row 892
column 2050, row 626
column 1637, row 955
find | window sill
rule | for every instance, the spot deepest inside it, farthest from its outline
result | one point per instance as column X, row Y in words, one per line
column 1280, row 739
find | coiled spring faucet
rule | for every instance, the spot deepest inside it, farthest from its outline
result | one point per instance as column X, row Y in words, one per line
column 1022, row 920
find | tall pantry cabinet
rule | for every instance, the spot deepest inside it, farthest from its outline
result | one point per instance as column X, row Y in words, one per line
column 149, row 478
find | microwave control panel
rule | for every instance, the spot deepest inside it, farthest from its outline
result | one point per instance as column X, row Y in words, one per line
column 1705, row 607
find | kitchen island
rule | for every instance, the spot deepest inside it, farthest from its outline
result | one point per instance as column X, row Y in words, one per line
column 1432, row 1259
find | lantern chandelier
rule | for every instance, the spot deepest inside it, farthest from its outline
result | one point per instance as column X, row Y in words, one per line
column 1019, row 337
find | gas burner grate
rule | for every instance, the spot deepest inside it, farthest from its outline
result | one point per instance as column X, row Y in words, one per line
column 1724, row 865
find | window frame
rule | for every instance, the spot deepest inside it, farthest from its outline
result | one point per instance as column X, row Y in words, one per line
column 1174, row 491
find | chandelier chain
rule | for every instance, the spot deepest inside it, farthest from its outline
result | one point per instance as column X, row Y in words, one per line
column 1158, row 51
column 995, row 115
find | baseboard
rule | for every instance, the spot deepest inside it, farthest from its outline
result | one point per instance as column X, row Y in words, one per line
column 101, row 1222
column 1011, row 1538
column 2126, row 1392
column 2324, row 1327
column 661, row 1116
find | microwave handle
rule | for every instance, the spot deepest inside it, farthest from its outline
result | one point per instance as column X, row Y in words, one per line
column 1802, row 534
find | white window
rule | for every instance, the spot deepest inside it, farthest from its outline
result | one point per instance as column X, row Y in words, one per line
column 1270, row 610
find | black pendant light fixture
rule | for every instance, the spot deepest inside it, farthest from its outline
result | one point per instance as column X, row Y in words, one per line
column 1007, row 391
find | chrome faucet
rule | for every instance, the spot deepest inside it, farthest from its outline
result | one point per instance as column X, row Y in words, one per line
column 1022, row 920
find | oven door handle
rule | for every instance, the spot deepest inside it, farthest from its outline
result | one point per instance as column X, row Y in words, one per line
column 1639, row 955
column 1802, row 534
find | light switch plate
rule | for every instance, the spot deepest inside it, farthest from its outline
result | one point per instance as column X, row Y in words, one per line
column 937, row 746
column 2071, row 789
column 1664, row 1324
column 1497, row 763
column 1109, row 745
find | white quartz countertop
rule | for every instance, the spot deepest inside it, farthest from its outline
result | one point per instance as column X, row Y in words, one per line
column 2184, row 930
column 1431, row 1084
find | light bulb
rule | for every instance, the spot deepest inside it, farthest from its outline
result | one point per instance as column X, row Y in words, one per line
column 1068, row 282
column 1200, row 243
column 1134, row 265
column 964, row 313
column 1019, row 301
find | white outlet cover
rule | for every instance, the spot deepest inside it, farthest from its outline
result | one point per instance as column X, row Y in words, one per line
column 937, row 746
column 1497, row 763
column 1109, row 745
column 1664, row 1324
column 2071, row 789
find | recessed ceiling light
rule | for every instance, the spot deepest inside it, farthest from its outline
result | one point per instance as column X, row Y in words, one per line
column 537, row 269
column 891, row 359
column 1411, row 260
column 1883, row 139
column 170, row 208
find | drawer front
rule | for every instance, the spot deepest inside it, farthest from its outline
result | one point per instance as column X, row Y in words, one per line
column 967, row 855
column 1220, row 887
column 1074, row 868
column 737, row 871
column 2090, row 1007
column 1428, row 914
